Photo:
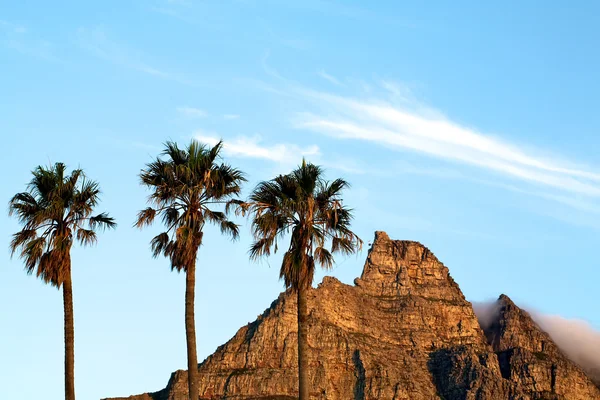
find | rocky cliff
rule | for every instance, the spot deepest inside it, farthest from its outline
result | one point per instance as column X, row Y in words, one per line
column 403, row 331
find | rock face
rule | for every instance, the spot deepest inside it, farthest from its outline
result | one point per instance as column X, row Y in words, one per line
column 529, row 357
column 404, row 331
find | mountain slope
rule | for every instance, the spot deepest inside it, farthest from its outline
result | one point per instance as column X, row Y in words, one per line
column 528, row 356
column 404, row 331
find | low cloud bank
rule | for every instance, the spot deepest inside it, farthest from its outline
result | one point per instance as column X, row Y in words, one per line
column 576, row 338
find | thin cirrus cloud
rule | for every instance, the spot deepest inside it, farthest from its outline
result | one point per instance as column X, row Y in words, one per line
column 329, row 78
column 17, row 37
column 192, row 112
column 402, row 128
column 11, row 27
column 251, row 147
column 99, row 44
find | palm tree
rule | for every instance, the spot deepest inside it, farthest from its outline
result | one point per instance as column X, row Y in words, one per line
column 185, row 189
column 309, row 207
column 55, row 211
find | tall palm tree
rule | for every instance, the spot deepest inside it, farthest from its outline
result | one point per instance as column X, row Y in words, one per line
column 55, row 210
column 186, row 186
column 310, row 208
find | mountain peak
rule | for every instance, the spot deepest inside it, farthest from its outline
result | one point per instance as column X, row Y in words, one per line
column 404, row 331
column 403, row 267
column 528, row 355
column 504, row 299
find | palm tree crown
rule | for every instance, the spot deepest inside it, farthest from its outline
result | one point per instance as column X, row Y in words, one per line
column 185, row 187
column 56, row 209
column 309, row 207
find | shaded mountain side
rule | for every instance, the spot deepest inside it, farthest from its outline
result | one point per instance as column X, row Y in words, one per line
column 403, row 331
column 528, row 355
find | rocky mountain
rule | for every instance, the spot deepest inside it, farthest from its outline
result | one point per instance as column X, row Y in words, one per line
column 403, row 331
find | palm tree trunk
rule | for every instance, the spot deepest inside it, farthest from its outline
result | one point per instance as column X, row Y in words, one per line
column 69, row 339
column 190, row 331
column 303, row 384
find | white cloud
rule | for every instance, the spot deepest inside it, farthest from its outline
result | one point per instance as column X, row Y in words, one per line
column 231, row 116
column 427, row 132
column 11, row 27
column 576, row 338
column 268, row 68
column 251, row 147
column 402, row 93
column 17, row 37
column 99, row 44
column 192, row 112
column 330, row 78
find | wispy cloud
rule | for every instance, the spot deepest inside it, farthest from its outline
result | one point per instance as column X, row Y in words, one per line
column 576, row 338
column 402, row 93
column 203, row 14
column 401, row 128
column 281, row 153
column 278, row 38
column 12, row 27
column 251, row 147
column 17, row 37
column 330, row 78
column 347, row 10
column 192, row 112
column 173, row 8
column 98, row 43
column 231, row 116
column 268, row 68
column 180, row 2
column 172, row 12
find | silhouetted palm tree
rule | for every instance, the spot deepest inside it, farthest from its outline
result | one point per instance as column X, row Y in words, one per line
column 54, row 210
column 186, row 186
column 304, row 204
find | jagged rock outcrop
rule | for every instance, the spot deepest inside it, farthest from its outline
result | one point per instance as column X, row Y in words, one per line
column 529, row 357
column 404, row 331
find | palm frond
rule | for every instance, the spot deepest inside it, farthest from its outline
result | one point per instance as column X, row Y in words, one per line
column 86, row 198
column 308, row 177
column 310, row 209
column 160, row 244
column 324, row 257
column 177, row 155
column 21, row 238
column 145, row 217
column 344, row 245
column 329, row 191
column 214, row 152
column 215, row 217
column 102, row 221
column 53, row 207
column 239, row 206
column 25, row 206
column 32, row 252
column 230, row 228
column 86, row 236
column 170, row 216
column 185, row 183
column 261, row 247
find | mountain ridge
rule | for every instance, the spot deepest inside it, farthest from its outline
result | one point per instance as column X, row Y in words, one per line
column 403, row 331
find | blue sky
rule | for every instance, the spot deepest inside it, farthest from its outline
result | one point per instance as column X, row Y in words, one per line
column 470, row 127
